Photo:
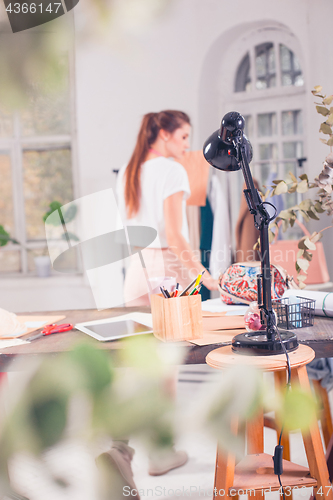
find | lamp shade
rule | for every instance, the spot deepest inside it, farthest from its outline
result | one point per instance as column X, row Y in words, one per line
column 219, row 149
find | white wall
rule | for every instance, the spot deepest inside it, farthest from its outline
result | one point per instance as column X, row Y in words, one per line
column 180, row 61
column 176, row 63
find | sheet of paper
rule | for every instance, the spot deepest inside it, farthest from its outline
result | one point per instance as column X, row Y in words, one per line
column 216, row 305
column 37, row 322
column 34, row 324
column 11, row 343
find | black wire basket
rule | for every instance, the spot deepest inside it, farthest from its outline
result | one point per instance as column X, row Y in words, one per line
column 292, row 315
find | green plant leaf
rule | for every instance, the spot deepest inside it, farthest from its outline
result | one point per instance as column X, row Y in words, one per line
column 312, row 215
column 281, row 188
column 323, row 111
column 96, row 365
column 330, row 141
column 301, row 243
column 329, row 120
column 327, row 101
column 292, row 176
column 305, row 204
column 316, row 237
column 323, row 140
column 325, row 129
column 303, row 264
column 70, row 213
column 303, row 186
column 304, row 177
column 54, row 205
column 307, row 256
column 49, row 416
column 298, row 410
column 319, row 208
column 4, row 237
column 305, row 215
column 317, row 88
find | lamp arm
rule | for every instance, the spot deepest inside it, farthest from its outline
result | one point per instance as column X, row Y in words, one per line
column 261, row 222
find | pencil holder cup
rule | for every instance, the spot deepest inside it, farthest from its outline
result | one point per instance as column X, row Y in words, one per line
column 178, row 318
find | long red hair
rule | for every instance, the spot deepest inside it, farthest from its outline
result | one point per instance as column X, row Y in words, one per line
column 151, row 124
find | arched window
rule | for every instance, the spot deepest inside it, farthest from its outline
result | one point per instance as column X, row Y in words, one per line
column 274, row 116
column 265, row 68
column 262, row 77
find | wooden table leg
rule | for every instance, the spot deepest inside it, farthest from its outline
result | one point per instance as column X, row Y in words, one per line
column 314, row 447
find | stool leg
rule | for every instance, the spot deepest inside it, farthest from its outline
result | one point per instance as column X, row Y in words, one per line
column 325, row 413
column 255, row 434
column 225, row 469
column 224, row 473
column 255, row 441
column 314, row 447
column 280, row 378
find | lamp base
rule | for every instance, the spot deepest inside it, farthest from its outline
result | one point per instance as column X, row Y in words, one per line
column 256, row 343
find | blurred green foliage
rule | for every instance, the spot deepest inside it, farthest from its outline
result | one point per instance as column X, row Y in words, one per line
column 84, row 394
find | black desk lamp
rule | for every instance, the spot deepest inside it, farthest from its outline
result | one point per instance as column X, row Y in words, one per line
column 228, row 149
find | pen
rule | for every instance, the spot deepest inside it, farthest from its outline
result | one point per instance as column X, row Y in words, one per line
column 188, row 287
column 197, row 288
column 166, row 293
column 163, row 293
column 198, row 278
column 192, row 283
column 176, row 291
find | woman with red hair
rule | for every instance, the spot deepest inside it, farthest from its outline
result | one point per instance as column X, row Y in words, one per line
column 152, row 191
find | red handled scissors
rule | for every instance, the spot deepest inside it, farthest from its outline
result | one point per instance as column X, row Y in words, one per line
column 49, row 329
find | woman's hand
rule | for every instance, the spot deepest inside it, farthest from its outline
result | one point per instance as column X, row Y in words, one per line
column 209, row 282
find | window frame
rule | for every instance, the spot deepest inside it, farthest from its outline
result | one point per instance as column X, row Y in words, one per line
column 255, row 101
column 15, row 146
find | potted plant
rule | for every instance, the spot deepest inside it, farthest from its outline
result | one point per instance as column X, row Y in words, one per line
column 42, row 262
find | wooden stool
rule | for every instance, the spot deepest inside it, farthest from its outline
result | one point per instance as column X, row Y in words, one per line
column 255, row 471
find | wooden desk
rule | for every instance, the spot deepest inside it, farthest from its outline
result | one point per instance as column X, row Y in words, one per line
column 319, row 338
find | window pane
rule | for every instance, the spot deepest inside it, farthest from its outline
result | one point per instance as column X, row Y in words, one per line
column 248, row 126
column 47, row 178
column 267, row 152
column 265, row 66
column 292, row 122
column 285, row 57
column 299, row 81
column 243, row 79
column 6, row 197
column 6, row 124
column 48, row 111
column 286, row 80
column 68, row 264
column 291, row 72
column 293, row 149
column 10, row 262
column 266, row 124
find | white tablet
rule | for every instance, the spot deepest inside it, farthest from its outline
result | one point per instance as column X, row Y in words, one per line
column 118, row 327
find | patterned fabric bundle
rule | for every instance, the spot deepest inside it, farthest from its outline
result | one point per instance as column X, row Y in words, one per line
column 238, row 284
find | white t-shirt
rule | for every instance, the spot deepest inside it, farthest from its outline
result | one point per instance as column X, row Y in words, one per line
column 160, row 178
